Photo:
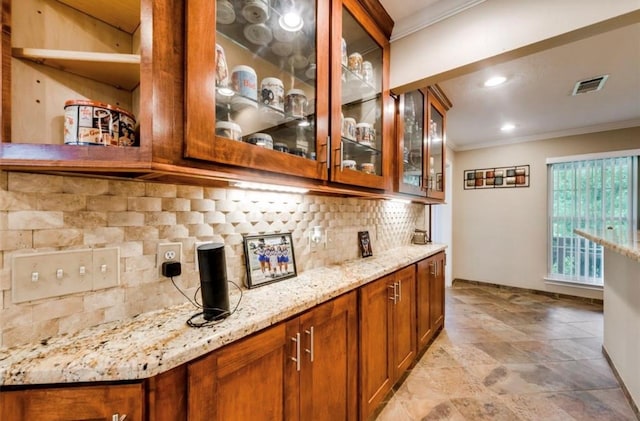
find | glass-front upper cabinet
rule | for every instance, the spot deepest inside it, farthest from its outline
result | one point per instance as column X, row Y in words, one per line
column 257, row 77
column 412, row 142
column 436, row 134
column 362, row 107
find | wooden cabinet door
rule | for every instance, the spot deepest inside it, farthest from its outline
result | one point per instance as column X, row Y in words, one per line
column 74, row 403
column 437, row 292
column 376, row 329
column 436, row 149
column 328, row 376
column 167, row 395
column 404, row 320
column 246, row 380
column 425, row 271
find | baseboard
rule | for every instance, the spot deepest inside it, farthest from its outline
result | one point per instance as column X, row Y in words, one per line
column 627, row 395
column 532, row 291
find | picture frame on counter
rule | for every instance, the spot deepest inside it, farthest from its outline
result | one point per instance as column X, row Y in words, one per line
column 497, row 177
column 365, row 244
column 269, row 258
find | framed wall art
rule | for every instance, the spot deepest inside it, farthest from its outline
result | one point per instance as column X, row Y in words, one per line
column 498, row 177
column 269, row 258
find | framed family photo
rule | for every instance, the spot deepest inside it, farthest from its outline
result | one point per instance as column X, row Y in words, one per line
column 365, row 244
column 269, row 258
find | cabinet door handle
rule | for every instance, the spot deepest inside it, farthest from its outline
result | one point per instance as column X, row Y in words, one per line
column 399, row 290
column 328, row 147
column 433, row 267
column 311, row 345
column 341, row 155
column 118, row 417
column 394, row 295
column 296, row 339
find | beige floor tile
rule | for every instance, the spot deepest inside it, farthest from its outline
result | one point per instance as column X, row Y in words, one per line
column 509, row 355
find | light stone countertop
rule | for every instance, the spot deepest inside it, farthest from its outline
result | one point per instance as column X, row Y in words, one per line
column 155, row 342
column 623, row 243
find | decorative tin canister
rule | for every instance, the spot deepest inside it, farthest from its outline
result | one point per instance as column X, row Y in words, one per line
column 245, row 81
column 222, row 71
column 256, row 11
column 295, row 103
column 272, row 93
column 96, row 123
column 349, row 163
column 228, row 129
column 263, row 140
column 364, row 132
column 367, row 167
column 349, row 128
column 355, row 63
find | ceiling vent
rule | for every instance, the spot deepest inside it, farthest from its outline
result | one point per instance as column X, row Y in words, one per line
column 589, row 85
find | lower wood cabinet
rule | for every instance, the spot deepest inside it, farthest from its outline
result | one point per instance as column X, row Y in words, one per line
column 303, row 369
column 430, row 298
column 95, row 403
column 387, row 335
column 336, row 361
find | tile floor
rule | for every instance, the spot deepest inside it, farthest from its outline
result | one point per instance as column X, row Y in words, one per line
column 512, row 355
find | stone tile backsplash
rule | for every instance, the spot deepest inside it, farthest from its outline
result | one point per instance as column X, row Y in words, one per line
column 41, row 213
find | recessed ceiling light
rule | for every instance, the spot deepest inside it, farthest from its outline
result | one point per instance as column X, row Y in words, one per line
column 507, row 127
column 495, row 81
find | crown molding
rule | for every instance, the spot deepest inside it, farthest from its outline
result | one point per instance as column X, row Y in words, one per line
column 429, row 15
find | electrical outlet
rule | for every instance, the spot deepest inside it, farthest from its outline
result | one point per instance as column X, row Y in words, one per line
column 169, row 252
column 317, row 238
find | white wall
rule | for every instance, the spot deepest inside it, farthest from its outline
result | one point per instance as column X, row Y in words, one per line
column 622, row 318
column 499, row 29
column 500, row 235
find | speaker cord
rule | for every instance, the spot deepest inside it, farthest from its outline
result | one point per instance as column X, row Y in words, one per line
column 191, row 322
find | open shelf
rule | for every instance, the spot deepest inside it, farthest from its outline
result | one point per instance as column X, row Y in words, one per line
column 118, row 70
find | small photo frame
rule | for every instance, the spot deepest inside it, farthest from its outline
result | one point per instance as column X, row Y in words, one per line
column 365, row 244
column 269, row 258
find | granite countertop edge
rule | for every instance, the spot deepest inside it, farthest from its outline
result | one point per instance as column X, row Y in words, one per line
column 155, row 342
column 622, row 244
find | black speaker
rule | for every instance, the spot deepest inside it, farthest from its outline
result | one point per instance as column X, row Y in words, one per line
column 213, row 281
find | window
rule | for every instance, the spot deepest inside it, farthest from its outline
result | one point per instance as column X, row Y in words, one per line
column 591, row 194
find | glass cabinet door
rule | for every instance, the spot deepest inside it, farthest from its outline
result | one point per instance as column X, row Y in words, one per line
column 266, row 82
column 436, row 149
column 360, row 123
column 412, row 143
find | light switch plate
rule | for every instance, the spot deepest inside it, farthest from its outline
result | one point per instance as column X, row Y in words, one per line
column 106, row 268
column 51, row 274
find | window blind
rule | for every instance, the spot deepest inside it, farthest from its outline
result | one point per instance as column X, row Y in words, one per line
column 592, row 194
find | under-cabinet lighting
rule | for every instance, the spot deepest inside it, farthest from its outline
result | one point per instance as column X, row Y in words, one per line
column 403, row 201
column 495, row 81
column 507, row 127
column 304, row 123
column 268, row 187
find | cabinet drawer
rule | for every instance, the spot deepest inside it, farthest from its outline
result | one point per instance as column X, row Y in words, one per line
column 74, row 403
